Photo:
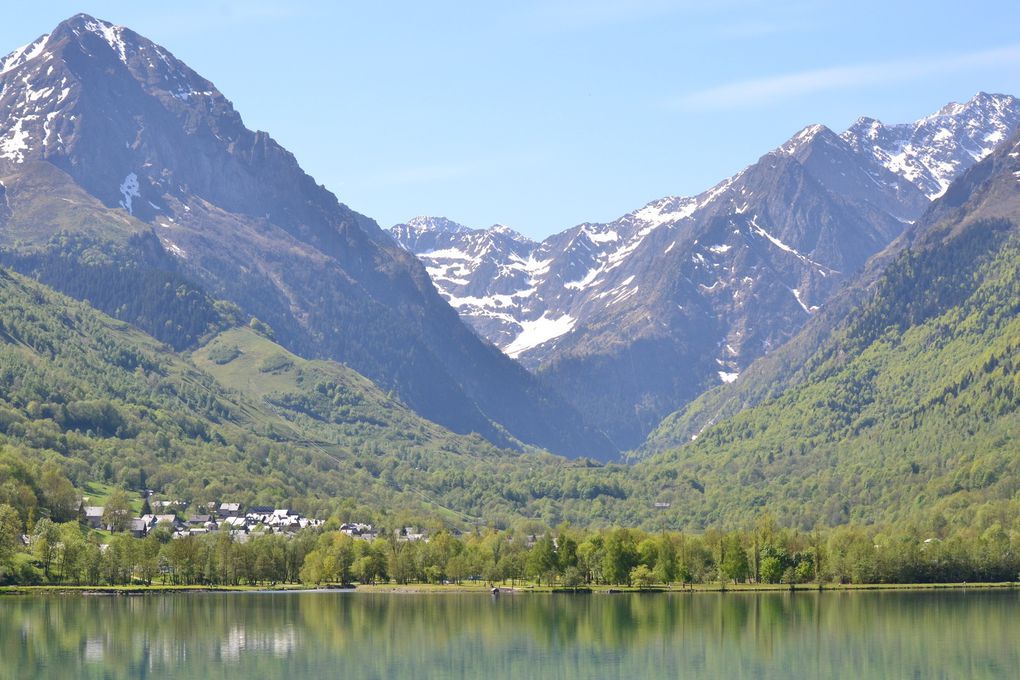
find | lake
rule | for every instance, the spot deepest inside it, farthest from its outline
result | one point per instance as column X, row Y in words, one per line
column 974, row 634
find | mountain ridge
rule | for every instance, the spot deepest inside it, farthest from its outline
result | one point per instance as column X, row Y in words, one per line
column 745, row 264
column 905, row 397
column 96, row 107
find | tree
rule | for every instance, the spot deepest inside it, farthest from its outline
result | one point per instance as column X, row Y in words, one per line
column 45, row 543
column 734, row 563
column 117, row 512
column 665, row 559
column 641, row 576
column 566, row 552
column 771, row 570
column 620, row 556
column 313, row 571
column 542, row 559
column 10, row 533
column 73, row 545
column 61, row 498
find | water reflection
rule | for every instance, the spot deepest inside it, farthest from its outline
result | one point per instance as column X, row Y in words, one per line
column 315, row 635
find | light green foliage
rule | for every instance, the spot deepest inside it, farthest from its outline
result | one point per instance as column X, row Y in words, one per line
column 10, row 531
column 909, row 409
column 641, row 576
column 117, row 511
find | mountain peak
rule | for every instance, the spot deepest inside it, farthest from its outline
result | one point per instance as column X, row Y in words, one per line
column 106, row 134
column 806, row 137
column 509, row 232
column 980, row 102
column 426, row 223
column 934, row 150
column 24, row 54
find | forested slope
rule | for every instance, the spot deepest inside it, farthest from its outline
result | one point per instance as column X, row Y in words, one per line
column 908, row 406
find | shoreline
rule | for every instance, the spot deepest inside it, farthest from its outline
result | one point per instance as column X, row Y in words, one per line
column 485, row 589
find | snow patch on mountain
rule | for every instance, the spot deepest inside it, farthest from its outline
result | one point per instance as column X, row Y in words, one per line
column 129, row 190
column 666, row 210
column 538, row 332
column 23, row 54
column 758, row 229
column 15, row 142
column 796, row 294
column 110, row 33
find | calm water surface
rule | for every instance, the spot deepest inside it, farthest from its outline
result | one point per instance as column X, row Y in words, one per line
column 350, row 635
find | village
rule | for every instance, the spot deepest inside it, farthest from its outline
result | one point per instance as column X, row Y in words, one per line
column 240, row 521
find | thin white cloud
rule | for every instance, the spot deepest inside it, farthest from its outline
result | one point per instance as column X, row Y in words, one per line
column 771, row 89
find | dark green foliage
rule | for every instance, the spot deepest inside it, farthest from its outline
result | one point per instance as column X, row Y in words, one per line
column 224, row 354
column 136, row 282
column 911, row 406
column 276, row 362
column 107, row 401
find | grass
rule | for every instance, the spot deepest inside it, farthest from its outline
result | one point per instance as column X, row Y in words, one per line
column 96, row 493
column 140, row 589
column 244, row 372
column 481, row 587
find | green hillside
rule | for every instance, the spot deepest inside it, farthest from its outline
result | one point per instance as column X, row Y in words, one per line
column 243, row 418
column 906, row 411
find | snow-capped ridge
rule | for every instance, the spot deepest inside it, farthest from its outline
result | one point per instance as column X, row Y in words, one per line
column 110, row 33
column 932, row 151
column 24, row 54
column 803, row 138
column 437, row 224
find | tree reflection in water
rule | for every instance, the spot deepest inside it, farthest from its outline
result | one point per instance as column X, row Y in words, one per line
column 314, row 635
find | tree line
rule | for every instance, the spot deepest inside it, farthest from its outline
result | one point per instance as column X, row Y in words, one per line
column 570, row 557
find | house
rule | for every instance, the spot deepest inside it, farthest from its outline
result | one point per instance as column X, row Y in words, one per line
column 138, row 527
column 94, row 516
column 199, row 520
column 229, row 509
column 410, row 534
column 261, row 510
column 169, row 505
column 170, row 520
column 355, row 529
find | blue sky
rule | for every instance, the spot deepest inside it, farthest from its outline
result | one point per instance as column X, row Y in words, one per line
column 542, row 115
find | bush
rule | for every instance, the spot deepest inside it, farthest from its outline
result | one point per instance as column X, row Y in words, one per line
column 275, row 362
column 224, row 355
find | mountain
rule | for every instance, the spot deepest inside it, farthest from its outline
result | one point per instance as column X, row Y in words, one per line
column 703, row 285
column 124, row 173
column 908, row 403
column 241, row 418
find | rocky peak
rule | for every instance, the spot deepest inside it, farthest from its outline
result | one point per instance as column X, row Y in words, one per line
column 931, row 152
column 808, row 137
column 100, row 126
